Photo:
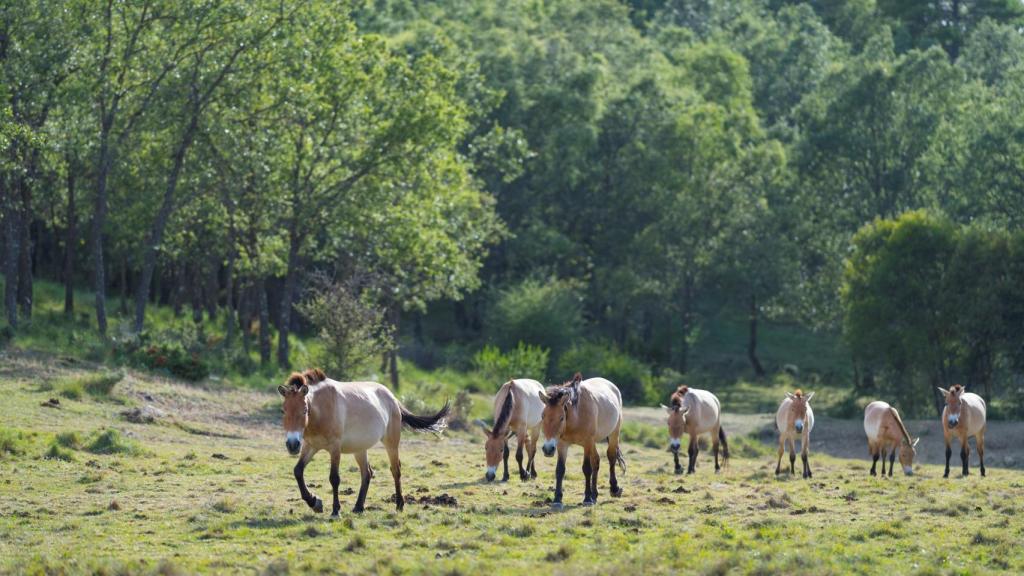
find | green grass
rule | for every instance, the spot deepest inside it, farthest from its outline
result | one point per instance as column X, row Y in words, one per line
column 114, row 497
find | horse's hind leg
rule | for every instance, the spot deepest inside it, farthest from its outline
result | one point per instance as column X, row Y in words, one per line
column 588, row 470
column 613, row 457
column 531, row 450
column 873, row 450
column 892, row 458
column 396, row 473
column 979, row 440
column 335, row 481
column 714, row 447
column 364, row 474
column 595, row 466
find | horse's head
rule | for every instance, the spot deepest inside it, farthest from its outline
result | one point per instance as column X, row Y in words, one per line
column 953, row 404
column 558, row 400
column 676, row 418
column 296, row 412
column 908, row 449
column 798, row 408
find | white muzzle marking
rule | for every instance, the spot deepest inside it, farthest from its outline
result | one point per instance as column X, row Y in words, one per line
column 294, row 436
column 549, row 444
column 492, row 470
column 908, row 470
column 799, row 425
column 674, row 443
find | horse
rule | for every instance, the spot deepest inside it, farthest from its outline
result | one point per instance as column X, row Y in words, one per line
column 695, row 412
column 964, row 415
column 795, row 417
column 583, row 412
column 517, row 410
column 346, row 418
column 884, row 428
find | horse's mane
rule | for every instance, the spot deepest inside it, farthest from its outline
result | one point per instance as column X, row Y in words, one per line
column 296, row 380
column 314, row 376
column 506, row 411
column 799, row 393
column 903, row 428
column 678, row 395
column 555, row 394
column 956, row 389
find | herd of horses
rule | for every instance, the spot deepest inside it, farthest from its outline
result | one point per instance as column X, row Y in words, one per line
column 352, row 417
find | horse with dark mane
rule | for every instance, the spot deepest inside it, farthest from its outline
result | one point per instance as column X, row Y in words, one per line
column 517, row 410
column 583, row 412
column 695, row 412
column 346, row 418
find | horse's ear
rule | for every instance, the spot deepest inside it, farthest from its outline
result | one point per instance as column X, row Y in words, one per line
column 945, row 393
column 304, row 389
column 809, row 396
column 789, row 395
column 543, row 396
column 577, row 378
column 282, row 390
column 483, row 425
column 916, row 440
column 668, row 409
column 685, row 412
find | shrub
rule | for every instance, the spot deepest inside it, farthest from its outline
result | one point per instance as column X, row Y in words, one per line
column 96, row 385
column 12, row 442
column 110, row 441
column 58, row 452
column 72, row 390
column 524, row 361
column 352, row 328
column 68, row 440
column 595, row 359
column 174, row 358
column 545, row 314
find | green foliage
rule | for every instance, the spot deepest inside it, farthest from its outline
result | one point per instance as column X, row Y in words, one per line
column 12, row 442
column 605, row 360
column 58, row 452
column 523, row 361
column 94, row 385
column 544, row 314
column 110, row 441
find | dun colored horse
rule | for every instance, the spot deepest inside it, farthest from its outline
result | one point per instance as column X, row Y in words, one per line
column 695, row 412
column 346, row 418
column 517, row 410
column 795, row 418
column 583, row 412
column 885, row 429
column 963, row 416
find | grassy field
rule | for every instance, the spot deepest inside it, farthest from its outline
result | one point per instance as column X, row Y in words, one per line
column 207, row 487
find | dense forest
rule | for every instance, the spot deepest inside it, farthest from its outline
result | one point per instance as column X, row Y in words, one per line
column 526, row 185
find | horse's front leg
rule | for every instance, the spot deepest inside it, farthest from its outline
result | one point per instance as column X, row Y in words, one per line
column 335, row 481
column 521, row 438
column 563, row 452
column 531, row 450
column 364, row 485
column 304, row 457
column 588, row 470
column 792, row 456
column 804, row 443
column 782, row 450
column 691, row 467
column 892, row 459
column 965, row 452
column 949, row 448
column 504, row 477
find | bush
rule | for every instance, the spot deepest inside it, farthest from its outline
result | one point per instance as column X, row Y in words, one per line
column 110, row 441
column 524, row 361
column 12, row 442
column 544, row 314
column 58, row 452
column 352, row 328
column 173, row 358
column 595, row 359
column 96, row 385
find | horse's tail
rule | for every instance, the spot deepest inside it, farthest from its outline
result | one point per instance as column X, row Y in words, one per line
column 725, row 445
column 620, row 459
column 436, row 423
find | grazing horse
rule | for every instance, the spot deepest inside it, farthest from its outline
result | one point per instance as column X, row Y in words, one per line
column 795, row 418
column 346, row 418
column 517, row 410
column 964, row 416
column 884, row 427
column 583, row 412
column 695, row 412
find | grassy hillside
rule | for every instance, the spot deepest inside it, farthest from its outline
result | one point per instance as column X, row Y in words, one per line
column 208, row 487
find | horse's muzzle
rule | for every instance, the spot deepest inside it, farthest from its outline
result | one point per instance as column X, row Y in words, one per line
column 799, row 426
column 953, row 422
column 548, row 449
column 489, row 475
column 293, row 445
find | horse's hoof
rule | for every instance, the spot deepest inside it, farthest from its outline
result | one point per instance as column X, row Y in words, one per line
column 616, row 492
column 679, row 470
column 400, row 505
column 557, row 505
column 589, row 502
column 982, row 472
column 335, row 515
column 318, row 505
column 357, row 510
column 524, row 477
column 946, row 475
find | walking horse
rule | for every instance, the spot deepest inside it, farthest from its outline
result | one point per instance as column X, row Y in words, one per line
column 963, row 416
column 346, row 418
column 517, row 410
column 695, row 412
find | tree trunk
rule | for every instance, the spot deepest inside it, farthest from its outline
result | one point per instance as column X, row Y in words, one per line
column 229, row 297
column 264, row 322
column 11, row 237
column 212, row 288
column 124, row 285
column 196, row 290
column 285, row 313
column 70, row 238
column 98, row 221
column 25, row 246
column 755, row 363
column 156, row 232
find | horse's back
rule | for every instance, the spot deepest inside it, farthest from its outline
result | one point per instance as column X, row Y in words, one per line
column 977, row 412
column 526, row 393
column 875, row 415
column 364, row 411
column 705, row 410
column 608, row 401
